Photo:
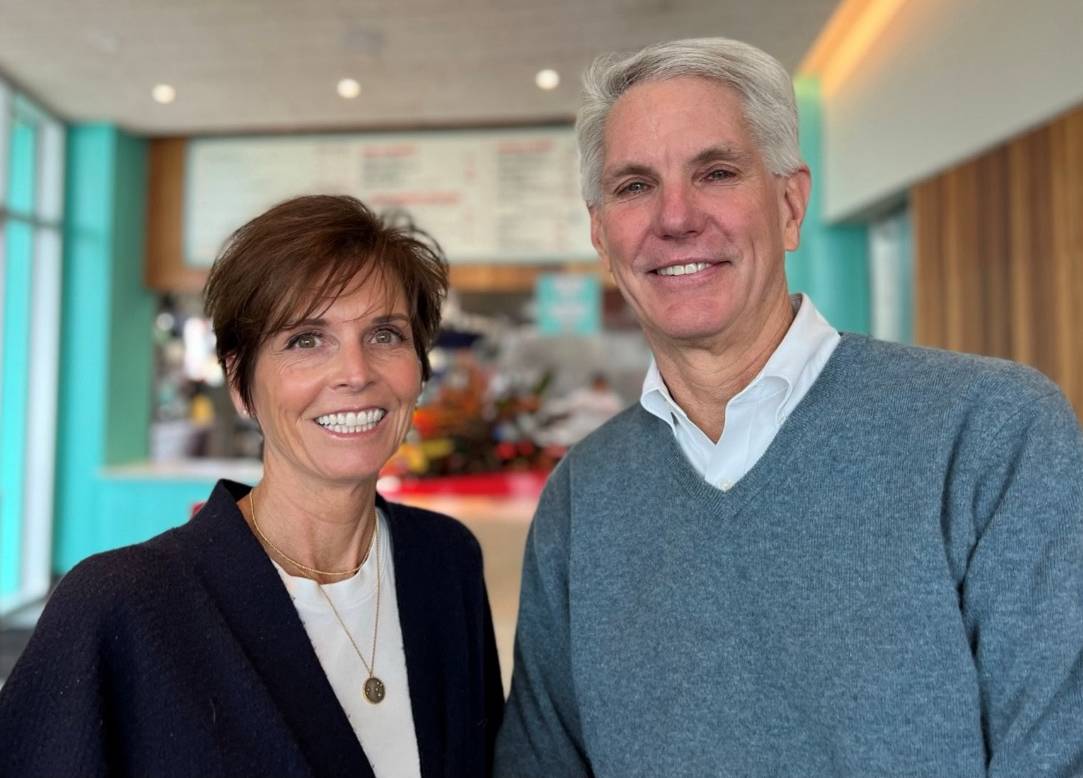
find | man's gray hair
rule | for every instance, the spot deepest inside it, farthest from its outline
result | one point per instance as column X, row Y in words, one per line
column 765, row 87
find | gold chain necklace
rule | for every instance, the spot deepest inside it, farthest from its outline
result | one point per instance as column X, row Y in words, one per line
column 374, row 689
column 291, row 560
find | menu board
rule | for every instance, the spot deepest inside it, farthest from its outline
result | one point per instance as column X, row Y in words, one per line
column 487, row 196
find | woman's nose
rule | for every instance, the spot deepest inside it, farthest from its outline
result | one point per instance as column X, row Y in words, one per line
column 352, row 369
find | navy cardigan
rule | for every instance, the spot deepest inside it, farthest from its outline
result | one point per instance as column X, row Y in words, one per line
column 184, row 656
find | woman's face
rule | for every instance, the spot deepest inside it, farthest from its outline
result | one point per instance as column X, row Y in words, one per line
column 334, row 395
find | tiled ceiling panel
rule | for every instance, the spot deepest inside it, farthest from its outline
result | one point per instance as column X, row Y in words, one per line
column 255, row 65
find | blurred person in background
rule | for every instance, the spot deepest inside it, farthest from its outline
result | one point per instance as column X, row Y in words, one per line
column 304, row 627
column 802, row 553
column 571, row 417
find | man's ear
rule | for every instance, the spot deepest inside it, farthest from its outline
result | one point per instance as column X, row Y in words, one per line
column 597, row 235
column 795, row 196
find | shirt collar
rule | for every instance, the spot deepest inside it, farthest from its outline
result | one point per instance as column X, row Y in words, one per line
column 655, row 397
column 803, row 341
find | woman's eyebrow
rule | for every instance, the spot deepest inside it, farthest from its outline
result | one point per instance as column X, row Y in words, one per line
column 321, row 322
column 293, row 325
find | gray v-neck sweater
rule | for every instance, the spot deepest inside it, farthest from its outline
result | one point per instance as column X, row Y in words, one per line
column 896, row 588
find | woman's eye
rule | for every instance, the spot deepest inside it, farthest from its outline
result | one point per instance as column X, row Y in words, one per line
column 303, row 340
column 387, row 336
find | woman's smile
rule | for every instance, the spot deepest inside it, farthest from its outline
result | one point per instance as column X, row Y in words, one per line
column 351, row 422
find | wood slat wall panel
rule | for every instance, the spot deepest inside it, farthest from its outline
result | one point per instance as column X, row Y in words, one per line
column 924, row 200
column 998, row 244
column 993, row 249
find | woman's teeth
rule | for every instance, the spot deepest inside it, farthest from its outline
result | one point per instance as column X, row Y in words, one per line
column 359, row 421
column 681, row 270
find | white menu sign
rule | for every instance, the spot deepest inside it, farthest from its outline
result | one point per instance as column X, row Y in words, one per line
column 493, row 196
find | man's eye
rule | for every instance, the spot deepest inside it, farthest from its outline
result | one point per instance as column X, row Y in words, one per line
column 633, row 187
column 720, row 174
column 303, row 340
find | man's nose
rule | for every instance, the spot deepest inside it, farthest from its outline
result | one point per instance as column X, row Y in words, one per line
column 678, row 215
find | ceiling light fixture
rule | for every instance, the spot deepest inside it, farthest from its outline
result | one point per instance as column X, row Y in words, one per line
column 348, row 89
column 163, row 93
column 547, row 79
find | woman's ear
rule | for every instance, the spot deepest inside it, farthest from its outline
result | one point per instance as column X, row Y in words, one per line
column 238, row 403
column 234, row 395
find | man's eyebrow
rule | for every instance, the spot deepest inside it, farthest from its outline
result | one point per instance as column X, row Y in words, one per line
column 719, row 154
column 627, row 169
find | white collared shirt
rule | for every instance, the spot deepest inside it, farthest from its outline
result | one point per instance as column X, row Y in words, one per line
column 754, row 415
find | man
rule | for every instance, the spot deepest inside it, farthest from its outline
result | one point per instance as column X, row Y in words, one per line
column 801, row 554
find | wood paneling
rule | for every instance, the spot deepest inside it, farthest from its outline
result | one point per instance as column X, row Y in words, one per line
column 998, row 245
column 165, row 268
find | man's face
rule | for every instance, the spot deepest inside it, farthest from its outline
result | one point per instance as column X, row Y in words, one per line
column 691, row 224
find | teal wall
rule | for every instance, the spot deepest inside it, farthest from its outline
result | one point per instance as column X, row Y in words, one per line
column 130, row 509
column 106, row 356
column 831, row 265
column 84, row 338
column 131, row 373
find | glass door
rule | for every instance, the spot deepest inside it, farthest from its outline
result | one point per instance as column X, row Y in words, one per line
column 31, row 201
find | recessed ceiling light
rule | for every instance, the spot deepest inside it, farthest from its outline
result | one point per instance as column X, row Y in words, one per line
column 348, row 88
column 547, row 79
column 163, row 93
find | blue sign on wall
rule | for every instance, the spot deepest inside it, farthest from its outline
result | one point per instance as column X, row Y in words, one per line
column 569, row 303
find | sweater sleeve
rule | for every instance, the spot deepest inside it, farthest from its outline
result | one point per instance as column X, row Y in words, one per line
column 53, row 707
column 541, row 735
column 1022, row 595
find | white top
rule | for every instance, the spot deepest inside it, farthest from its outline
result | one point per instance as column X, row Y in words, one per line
column 386, row 730
column 756, row 413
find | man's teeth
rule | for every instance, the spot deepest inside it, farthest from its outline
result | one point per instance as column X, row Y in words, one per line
column 680, row 270
column 352, row 421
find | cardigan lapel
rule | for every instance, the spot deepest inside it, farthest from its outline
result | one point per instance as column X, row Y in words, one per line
column 257, row 608
column 422, row 638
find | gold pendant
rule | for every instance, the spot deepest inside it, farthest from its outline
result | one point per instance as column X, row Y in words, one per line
column 374, row 690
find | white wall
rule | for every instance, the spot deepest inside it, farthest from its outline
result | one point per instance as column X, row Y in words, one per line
column 945, row 80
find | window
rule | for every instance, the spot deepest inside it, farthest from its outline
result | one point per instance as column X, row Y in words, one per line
column 31, row 211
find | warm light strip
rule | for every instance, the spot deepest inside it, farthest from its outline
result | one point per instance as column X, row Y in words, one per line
column 851, row 31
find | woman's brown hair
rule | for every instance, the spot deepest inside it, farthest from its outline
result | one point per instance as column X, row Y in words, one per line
column 294, row 260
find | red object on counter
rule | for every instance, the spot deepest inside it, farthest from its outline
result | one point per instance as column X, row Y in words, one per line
column 527, row 483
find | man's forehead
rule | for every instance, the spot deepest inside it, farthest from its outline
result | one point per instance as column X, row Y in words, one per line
column 672, row 93
column 697, row 118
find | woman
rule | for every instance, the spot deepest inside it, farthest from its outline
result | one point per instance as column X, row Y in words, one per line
column 306, row 627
